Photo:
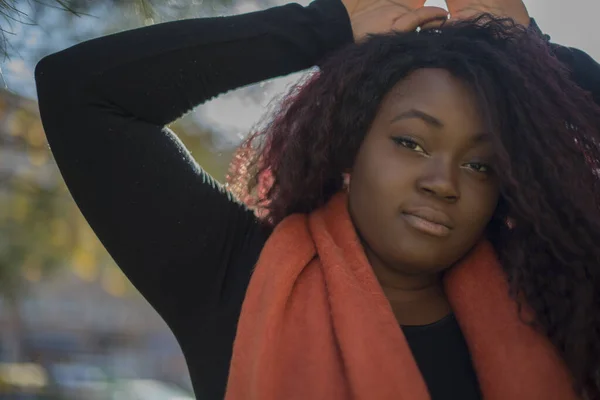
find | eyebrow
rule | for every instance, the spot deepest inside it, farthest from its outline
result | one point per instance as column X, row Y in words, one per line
column 431, row 120
column 414, row 113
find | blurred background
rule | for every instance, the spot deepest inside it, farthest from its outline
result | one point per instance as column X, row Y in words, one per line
column 71, row 325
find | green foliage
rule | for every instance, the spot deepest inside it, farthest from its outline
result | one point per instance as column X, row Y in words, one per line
column 35, row 233
column 41, row 228
column 124, row 13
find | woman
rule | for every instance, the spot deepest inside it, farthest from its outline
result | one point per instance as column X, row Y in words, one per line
column 451, row 139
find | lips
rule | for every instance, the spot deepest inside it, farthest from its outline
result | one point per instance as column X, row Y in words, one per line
column 429, row 221
column 431, row 215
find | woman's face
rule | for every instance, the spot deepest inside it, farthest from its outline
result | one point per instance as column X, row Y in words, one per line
column 421, row 189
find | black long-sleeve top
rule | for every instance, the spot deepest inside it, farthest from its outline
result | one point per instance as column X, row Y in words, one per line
column 181, row 239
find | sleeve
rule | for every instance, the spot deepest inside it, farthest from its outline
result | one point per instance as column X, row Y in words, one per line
column 181, row 239
column 585, row 71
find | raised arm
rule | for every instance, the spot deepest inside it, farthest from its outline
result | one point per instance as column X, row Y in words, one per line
column 181, row 239
column 178, row 236
column 584, row 70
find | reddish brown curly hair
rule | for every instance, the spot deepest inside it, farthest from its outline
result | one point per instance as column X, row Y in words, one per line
column 547, row 131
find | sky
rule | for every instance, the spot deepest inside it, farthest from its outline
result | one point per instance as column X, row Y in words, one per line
column 568, row 22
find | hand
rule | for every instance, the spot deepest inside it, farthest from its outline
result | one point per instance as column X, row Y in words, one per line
column 464, row 9
column 382, row 16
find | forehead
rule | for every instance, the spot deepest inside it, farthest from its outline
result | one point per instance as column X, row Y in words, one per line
column 436, row 92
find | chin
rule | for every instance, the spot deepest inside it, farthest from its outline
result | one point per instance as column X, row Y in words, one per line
column 424, row 270
column 415, row 260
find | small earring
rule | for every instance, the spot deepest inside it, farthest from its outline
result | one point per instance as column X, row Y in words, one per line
column 346, row 180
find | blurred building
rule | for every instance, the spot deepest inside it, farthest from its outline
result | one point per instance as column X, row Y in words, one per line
column 85, row 312
column 68, row 320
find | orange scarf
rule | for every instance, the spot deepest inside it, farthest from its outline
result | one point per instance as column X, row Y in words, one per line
column 316, row 325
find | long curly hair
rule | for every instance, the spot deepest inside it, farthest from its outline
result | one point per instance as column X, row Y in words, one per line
column 546, row 133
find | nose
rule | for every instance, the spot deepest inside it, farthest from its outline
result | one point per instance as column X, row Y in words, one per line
column 439, row 179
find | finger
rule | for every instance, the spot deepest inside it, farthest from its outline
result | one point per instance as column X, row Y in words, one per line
column 435, row 24
column 421, row 16
column 414, row 4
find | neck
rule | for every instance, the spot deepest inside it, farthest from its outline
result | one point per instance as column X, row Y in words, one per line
column 416, row 299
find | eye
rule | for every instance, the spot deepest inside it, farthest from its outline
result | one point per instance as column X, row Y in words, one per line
column 408, row 143
column 479, row 167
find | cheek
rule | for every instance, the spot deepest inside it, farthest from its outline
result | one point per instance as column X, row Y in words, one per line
column 369, row 187
column 478, row 208
column 378, row 184
column 372, row 190
column 378, row 172
column 475, row 212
